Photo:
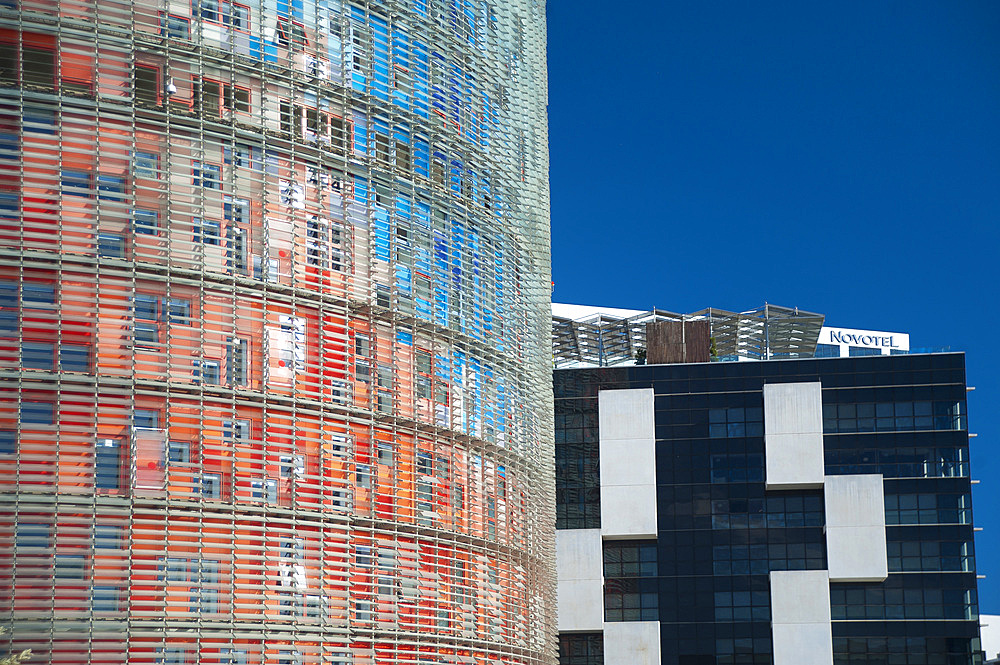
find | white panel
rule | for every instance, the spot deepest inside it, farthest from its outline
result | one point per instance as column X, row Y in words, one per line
column 628, row 463
column 793, row 435
column 802, row 644
column 579, row 554
column 855, row 528
column 619, row 457
column 581, row 579
column 628, row 512
column 632, row 643
column 856, row 500
column 801, row 631
column 626, row 414
column 800, row 596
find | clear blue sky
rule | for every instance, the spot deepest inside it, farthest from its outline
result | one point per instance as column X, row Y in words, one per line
column 839, row 157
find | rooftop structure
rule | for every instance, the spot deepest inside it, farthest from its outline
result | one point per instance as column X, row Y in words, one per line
column 584, row 336
column 594, row 336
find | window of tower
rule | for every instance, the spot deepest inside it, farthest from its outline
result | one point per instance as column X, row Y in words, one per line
column 291, row 33
column 146, row 222
column 9, row 69
column 146, row 85
column 76, row 72
column 176, row 27
column 206, row 175
column 38, row 64
column 216, row 98
column 108, row 464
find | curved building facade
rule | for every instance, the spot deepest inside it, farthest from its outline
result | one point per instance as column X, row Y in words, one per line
column 274, row 332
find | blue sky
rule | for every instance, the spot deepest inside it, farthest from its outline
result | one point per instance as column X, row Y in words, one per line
column 843, row 158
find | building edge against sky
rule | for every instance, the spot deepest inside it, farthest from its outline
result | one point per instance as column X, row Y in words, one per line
column 704, row 508
column 274, row 332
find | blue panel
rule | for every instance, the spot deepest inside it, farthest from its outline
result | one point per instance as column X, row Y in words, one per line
column 421, row 69
column 457, row 245
column 421, row 158
column 422, row 215
column 403, row 206
column 358, row 82
column 255, row 47
column 422, row 260
column 360, row 136
column 380, row 58
column 442, row 368
column 380, row 233
column 403, row 279
column 361, row 189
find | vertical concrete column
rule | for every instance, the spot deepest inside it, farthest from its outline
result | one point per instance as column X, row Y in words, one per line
column 581, row 580
column 855, row 528
column 628, row 463
column 632, row 643
column 801, row 631
column 793, row 435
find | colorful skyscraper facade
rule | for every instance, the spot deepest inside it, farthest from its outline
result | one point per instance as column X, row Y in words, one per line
column 274, row 332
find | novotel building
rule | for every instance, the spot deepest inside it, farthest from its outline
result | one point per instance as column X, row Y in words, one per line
column 801, row 511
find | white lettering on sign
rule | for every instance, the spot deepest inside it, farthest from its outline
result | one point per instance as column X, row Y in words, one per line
column 840, row 337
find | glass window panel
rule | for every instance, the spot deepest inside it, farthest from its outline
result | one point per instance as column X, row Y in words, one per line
column 107, row 464
column 74, row 357
column 8, row 441
column 36, row 294
column 38, row 355
column 37, row 413
column 111, row 245
column 146, row 222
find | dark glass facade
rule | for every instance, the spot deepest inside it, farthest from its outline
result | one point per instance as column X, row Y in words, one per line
column 720, row 532
column 581, row 649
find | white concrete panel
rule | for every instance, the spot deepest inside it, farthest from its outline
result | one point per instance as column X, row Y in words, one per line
column 855, row 528
column 856, row 554
column 793, row 435
column 628, row 511
column 802, row 644
column 793, row 408
column 800, row 596
column 793, row 461
column 626, row 414
column 856, row 500
column 801, row 631
column 619, row 461
column 580, row 579
column 632, row 643
column 581, row 606
column 628, row 463
column 579, row 554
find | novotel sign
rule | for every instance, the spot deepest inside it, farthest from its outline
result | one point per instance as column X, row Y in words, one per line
column 867, row 338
